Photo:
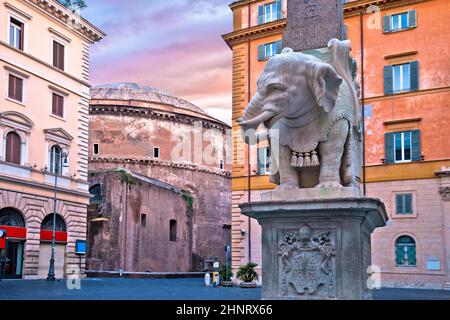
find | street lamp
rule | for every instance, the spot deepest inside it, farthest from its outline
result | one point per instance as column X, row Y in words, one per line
column 58, row 160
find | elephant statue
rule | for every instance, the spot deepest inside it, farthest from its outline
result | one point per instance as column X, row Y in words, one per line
column 311, row 111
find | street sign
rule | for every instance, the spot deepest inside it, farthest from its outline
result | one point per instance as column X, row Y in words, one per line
column 227, row 248
column 216, row 265
column 80, row 247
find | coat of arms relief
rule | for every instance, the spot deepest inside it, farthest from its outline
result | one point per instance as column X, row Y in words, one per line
column 307, row 264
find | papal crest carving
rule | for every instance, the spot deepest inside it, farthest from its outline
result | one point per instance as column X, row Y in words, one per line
column 307, row 265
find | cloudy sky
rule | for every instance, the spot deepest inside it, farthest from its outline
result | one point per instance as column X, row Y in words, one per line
column 173, row 45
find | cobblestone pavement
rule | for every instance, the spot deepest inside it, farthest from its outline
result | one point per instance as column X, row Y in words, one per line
column 163, row 289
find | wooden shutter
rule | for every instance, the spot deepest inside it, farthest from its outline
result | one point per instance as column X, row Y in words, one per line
column 260, row 15
column 389, row 147
column 414, row 74
column 386, row 24
column 399, row 209
column 261, row 52
column 13, row 146
column 19, row 89
column 412, row 19
column 58, row 55
column 411, row 252
column 399, row 255
column 11, row 85
column 279, row 46
column 58, row 105
column 388, row 80
column 415, row 138
column 408, row 203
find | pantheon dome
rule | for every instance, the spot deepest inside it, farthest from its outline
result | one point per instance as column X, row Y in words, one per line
column 165, row 158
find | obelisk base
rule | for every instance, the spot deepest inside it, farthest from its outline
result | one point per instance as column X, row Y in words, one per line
column 317, row 249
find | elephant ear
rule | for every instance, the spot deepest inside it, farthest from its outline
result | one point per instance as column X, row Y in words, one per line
column 324, row 83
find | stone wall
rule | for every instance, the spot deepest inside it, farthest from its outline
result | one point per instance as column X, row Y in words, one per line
column 34, row 209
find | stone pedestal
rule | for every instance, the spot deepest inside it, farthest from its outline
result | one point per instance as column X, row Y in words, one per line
column 316, row 249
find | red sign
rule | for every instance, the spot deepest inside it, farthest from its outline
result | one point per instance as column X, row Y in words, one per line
column 60, row 236
column 15, row 232
column 2, row 243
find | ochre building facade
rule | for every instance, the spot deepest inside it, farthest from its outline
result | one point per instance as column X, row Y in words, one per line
column 406, row 100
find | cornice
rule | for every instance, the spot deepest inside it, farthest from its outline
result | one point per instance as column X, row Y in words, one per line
column 71, row 20
column 151, row 162
column 355, row 8
column 255, row 32
column 155, row 114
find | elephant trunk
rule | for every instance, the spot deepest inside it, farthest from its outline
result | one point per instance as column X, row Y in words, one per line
column 254, row 114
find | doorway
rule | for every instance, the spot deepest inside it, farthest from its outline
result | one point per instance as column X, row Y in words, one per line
column 12, row 257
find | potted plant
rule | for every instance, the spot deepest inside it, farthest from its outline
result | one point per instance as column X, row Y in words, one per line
column 247, row 275
column 225, row 276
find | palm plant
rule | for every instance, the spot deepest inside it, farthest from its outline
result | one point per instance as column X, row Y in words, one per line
column 247, row 272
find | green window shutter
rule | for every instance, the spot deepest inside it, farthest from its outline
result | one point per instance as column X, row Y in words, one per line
column 411, row 251
column 415, row 137
column 279, row 9
column 408, row 203
column 399, row 209
column 386, row 24
column 412, row 19
column 261, row 52
column 388, row 80
column 389, row 147
column 261, row 15
column 279, row 46
column 414, row 73
column 399, row 255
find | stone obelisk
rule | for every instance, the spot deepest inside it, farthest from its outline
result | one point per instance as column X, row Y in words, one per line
column 316, row 240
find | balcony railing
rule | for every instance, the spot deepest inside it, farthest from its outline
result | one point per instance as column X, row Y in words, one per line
column 270, row 16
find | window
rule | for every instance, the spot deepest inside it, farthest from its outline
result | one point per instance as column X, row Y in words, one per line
column 58, row 55
column 404, row 203
column 47, row 223
column 270, row 12
column 403, row 146
column 221, row 165
column 405, row 252
column 13, row 146
column 96, row 149
column 265, row 51
column 55, row 160
column 156, row 152
column 96, row 192
column 143, row 220
column 400, row 21
column 58, row 105
column 401, row 78
column 173, row 230
column 16, row 31
column 15, row 88
column 10, row 217
column 264, row 160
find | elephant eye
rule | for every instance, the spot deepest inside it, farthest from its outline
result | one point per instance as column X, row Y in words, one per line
column 275, row 87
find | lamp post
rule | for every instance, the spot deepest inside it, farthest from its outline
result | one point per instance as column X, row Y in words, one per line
column 58, row 157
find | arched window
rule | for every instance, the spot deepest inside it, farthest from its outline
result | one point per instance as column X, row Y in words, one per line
column 47, row 223
column 55, row 160
column 13, row 146
column 10, row 217
column 405, row 252
column 173, row 230
column 96, row 191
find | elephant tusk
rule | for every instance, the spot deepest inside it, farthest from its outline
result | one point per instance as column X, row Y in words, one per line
column 255, row 122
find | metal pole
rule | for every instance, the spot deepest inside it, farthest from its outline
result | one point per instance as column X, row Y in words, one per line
column 363, row 104
column 51, row 269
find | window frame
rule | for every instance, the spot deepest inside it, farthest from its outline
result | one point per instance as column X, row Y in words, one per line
column 402, row 77
column 93, row 149
column 405, row 246
column 270, row 13
column 53, row 113
column 403, row 196
column 17, row 24
column 5, row 155
column 264, row 170
column 273, row 49
column 156, row 148
column 221, row 165
column 9, row 74
column 391, row 17
column 173, row 224
column 403, row 147
column 54, row 39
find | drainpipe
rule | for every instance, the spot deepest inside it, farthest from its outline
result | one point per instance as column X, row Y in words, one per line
column 248, row 144
column 363, row 102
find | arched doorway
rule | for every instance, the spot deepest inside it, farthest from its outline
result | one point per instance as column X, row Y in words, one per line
column 12, row 247
column 46, row 246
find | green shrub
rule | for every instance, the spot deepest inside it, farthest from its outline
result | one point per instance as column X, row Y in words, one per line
column 247, row 273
